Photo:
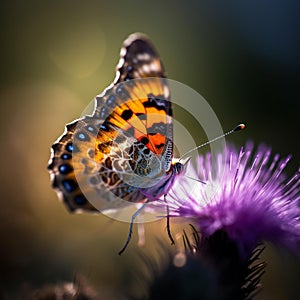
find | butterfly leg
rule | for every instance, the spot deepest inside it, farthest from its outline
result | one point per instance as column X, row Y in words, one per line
column 131, row 227
column 168, row 222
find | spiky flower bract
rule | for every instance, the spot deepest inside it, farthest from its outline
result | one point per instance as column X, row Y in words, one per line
column 246, row 195
column 208, row 269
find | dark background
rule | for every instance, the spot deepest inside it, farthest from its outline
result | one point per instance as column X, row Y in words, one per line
column 242, row 56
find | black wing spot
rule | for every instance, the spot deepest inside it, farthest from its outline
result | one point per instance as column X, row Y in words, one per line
column 127, row 114
column 66, row 156
column 104, row 127
column 144, row 140
column 70, row 185
column 80, row 200
column 159, row 102
column 160, row 146
column 70, row 147
column 146, row 151
column 155, row 102
column 65, row 169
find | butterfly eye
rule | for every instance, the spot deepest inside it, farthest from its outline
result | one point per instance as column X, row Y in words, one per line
column 177, row 168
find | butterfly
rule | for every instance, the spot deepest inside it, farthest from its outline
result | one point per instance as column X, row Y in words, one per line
column 123, row 152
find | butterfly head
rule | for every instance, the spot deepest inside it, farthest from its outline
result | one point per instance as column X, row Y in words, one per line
column 178, row 166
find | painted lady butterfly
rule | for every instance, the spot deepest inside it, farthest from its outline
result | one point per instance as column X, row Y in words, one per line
column 123, row 152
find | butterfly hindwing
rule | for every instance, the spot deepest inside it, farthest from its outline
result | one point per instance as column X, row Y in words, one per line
column 61, row 167
column 77, row 165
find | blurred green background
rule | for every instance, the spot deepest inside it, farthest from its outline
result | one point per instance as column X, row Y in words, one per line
column 242, row 56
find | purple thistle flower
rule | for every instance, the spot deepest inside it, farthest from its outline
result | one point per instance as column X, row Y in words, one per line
column 246, row 195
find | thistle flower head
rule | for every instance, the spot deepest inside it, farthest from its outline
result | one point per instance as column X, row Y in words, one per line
column 246, row 195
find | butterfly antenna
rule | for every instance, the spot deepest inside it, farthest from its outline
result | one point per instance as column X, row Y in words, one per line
column 201, row 181
column 237, row 128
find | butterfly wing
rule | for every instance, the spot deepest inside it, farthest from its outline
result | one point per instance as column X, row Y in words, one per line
column 91, row 145
column 138, row 59
column 148, row 101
